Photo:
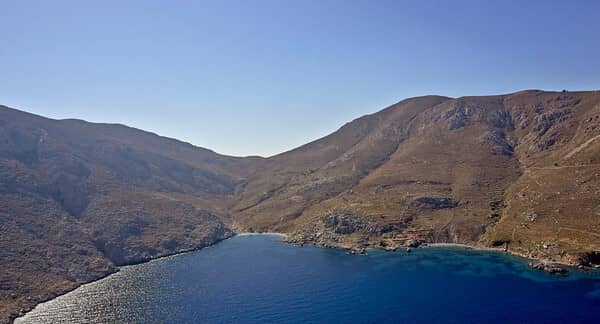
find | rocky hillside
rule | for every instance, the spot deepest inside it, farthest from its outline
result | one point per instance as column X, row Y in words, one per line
column 519, row 171
column 78, row 199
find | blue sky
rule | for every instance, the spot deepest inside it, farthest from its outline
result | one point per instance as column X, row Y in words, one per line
column 262, row 77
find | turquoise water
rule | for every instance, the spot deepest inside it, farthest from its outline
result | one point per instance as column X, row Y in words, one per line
column 256, row 279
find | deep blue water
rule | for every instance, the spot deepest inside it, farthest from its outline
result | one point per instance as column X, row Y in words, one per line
column 256, row 279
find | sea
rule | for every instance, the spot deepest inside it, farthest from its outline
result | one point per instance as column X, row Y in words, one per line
column 258, row 279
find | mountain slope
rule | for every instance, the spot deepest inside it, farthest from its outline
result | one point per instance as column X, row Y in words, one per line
column 78, row 198
column 287, row 184
column 518, row 170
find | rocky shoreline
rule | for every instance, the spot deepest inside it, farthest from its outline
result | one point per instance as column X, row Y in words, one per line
column 342, row 229
column 355, row 233
column 547, row 265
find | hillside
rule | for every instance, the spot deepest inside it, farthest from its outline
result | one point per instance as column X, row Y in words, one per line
column 78, row 199
column 519, row 171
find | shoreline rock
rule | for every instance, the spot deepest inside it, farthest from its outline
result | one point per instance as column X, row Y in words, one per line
column 549, row 267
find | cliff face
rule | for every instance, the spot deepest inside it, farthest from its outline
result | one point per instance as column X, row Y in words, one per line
column 519, row 170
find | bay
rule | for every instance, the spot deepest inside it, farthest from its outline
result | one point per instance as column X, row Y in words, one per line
column 257, row 279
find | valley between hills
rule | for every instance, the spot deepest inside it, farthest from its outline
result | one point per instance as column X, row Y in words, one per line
column 518, row 172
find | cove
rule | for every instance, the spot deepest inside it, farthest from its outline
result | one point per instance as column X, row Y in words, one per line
column 257, row 279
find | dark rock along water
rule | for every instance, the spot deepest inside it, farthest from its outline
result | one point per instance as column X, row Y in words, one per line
column 256, row 279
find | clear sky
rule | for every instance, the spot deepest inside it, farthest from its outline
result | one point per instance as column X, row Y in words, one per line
column 261, row 77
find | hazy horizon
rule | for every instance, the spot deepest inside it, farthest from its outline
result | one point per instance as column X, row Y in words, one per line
column 263, row 78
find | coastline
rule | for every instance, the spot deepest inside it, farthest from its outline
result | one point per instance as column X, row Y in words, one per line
column 458, row 245
column 499, row 250
column 502, row 250
column 439, row 262
column 118, row 268
column 284, row 236
column 19, row 318
column 553, row 264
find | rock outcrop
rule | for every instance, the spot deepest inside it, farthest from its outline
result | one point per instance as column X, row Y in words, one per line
column 590, row 259
column 549, row 267
column 435, row 202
